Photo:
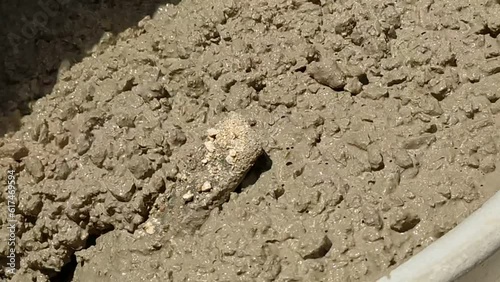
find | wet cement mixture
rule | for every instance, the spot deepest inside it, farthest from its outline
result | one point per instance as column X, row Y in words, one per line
column 365, row 130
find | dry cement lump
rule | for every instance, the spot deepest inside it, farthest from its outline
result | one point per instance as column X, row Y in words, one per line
column 240, row 145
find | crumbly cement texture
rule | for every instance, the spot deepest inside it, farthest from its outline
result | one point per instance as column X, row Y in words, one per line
column 380, row 120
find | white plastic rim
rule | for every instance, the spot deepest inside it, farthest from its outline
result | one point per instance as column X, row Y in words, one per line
column 487, row 271
column 473, row 242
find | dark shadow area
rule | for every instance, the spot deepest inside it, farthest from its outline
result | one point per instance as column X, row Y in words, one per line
column 263, row 164
column 68, row 270
column 39, row 37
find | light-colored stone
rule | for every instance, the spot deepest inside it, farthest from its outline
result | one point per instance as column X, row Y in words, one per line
column 210, row 146
column 149, row 228
column 189, row 196
column 212, row 132
column 206, row 186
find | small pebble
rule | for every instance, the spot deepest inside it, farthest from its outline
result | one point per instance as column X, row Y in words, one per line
column 210, row 146
column 212, row 132
column 188, row 196
column 206, row 187
column 149, row 228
